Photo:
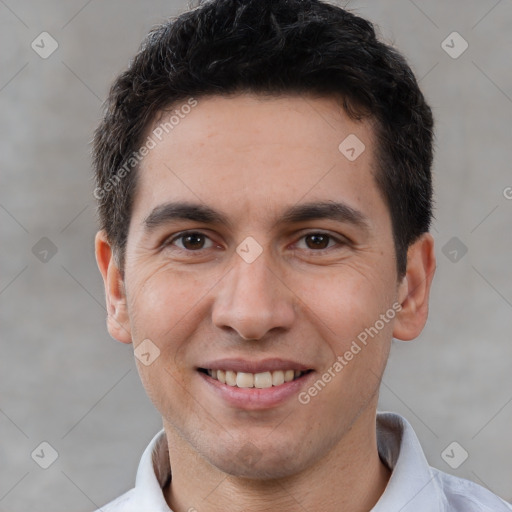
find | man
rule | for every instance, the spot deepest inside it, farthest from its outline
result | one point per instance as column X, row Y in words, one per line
column 264, row 183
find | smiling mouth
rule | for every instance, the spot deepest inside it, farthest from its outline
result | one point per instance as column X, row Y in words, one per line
column 254, row 380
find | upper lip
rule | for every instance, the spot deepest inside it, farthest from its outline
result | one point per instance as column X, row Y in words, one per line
column 246, row 366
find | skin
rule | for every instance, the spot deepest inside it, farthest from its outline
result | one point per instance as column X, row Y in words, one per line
column 251, row 158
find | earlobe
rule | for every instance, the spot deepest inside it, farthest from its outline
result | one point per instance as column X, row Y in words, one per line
column 118, row 324
column 414, row 290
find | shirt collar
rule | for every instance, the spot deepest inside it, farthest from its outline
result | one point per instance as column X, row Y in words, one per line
column 412, row 486
column 153, row 474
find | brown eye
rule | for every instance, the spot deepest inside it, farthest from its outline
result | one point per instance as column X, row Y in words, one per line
column 317, row 241
column 191, row 241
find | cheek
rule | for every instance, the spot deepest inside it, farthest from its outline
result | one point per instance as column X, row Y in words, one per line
column 346, row 311
column 345, row 303
column 164, row 303
column 167, row 306
column 163, row 310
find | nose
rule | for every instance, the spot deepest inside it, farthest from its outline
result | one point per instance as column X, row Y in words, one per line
column 252, row 300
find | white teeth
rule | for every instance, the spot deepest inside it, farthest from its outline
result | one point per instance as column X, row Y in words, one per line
column 231, row 378
column 254, row 380
column 289, row 375
column 277, row 378
column 245, row 380
column 263, row 380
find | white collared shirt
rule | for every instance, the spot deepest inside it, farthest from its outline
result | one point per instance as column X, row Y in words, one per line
column 414, row 486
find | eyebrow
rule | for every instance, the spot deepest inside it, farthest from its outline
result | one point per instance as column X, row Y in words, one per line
column 169, row 212
column 329, row 210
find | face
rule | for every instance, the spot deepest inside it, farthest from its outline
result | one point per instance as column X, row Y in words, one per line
column 259, row 253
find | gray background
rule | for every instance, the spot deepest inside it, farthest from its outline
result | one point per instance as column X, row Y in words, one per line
column 65, row 381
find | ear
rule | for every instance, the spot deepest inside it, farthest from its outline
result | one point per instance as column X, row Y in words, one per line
column 414, row 289
column 118, row 324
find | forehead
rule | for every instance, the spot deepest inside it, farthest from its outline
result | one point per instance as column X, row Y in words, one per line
column 253, row 154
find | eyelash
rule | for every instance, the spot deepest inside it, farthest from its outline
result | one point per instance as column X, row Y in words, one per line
column 340, row 241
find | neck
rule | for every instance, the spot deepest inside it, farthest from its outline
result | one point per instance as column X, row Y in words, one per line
column 351, row 477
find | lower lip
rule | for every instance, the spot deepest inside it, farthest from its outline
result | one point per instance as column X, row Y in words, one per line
column 255, row 398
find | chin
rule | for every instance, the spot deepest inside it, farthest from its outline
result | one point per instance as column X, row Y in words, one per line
column 263, row 462
column 265, row 468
